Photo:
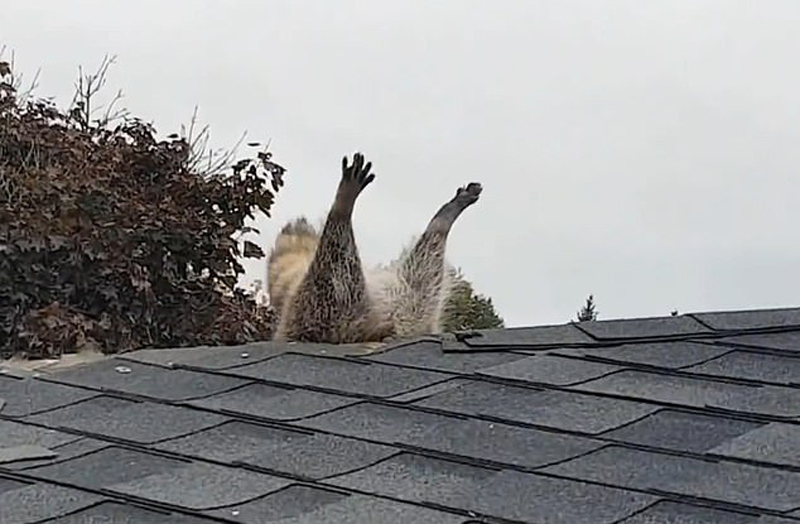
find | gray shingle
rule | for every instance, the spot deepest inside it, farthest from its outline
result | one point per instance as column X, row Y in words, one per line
column 147, row 380
column 682, row 431
column 118, row 513
column 25, row 452
column 274, row 402
column 557, row 335
column 558, row 409
column 429, row 355
column 294, row 452
column 201, row 486
column 667, row 388
column 428, row 391
column 671, row 355
column 504, row 494
column 82, row 446
column 777, row 443
column 775, row 401
column 8, row 484
column 643, row 328
column 768, row 519
column 232, row 441
column 546, row 500
column 419, row 479
column 666, row 512
column 470, row 438
column 735, row 483
column 319, row 456
column 128, row 420
column 755, row 319
column 789, row 341
column 550, row 369
column 14, row 433
column 365, row 378
column 215, row 358
column 110, row 465
column 382, row 423
column 36, row 502
column 299, row 504
column 27, row 396
column 753, row 366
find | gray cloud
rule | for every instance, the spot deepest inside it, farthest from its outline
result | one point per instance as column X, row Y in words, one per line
column 645, row 152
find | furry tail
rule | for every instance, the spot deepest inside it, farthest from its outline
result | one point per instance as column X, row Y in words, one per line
column 289, row 260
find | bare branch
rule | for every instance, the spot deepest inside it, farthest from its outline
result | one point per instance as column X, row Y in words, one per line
column 86, row 88
column 205, row 161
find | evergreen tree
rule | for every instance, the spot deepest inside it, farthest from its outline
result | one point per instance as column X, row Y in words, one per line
column 465, row 309
column 589, row 311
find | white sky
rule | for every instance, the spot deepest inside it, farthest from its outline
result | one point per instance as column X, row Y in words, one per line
column 643, row 151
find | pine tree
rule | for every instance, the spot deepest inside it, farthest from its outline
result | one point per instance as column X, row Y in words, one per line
column 465, row 309
column 589, row 311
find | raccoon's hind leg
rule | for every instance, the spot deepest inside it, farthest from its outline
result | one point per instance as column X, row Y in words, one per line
column 423, row 269
column 331, row 303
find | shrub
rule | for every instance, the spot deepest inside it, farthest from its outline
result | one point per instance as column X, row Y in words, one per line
column 113, row 238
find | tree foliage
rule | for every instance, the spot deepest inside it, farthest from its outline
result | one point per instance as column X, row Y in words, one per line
column 111, row 237
column 465, row 309
column 589, row 311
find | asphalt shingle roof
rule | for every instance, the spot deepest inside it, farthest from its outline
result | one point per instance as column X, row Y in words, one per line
column 693, row 419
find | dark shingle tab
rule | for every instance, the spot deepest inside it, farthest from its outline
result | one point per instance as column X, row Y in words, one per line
column 182, row 483
column 82, row 446
column 300, row 504
column 774, row 401
column 128, row 420
column 643, row 328
column 430, row 355
column 274, row 402
column 769, row 519
column 28, row 503
column 755, row 319
column 671, row 355
column 681, row 431
column 24, row 397
column 291, row 452
column 199, row 486
column 110, row 465
column 789, row 341
column 557, row 335
column 145, row 380
column 24, row 452
column 550, row 369
column 502, row 494
column 675, row 389
column 777, row 443
column 734, row 483
column 699, row 392
column 365, row 378
column 14, row 433
column 215, row 358
column 472, row 438
column 119, row 513
column 753, row 366
column 557, row 409
column 666, row 512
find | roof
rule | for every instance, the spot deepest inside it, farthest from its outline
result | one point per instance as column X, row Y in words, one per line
column 689, row 419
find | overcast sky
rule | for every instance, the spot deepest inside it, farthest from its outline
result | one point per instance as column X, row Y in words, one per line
column 643, row 151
